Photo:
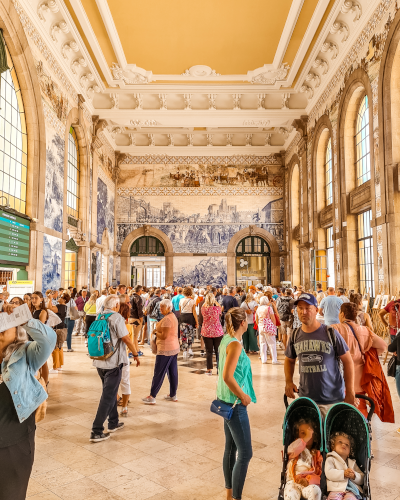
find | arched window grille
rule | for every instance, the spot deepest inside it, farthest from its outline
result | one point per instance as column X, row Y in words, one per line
column 363, row 157
column 328, row 173
column 13, row 140
column 73, row 175
column 147, row 245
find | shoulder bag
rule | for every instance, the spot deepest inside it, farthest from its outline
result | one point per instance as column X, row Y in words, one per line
column 268, row 324
column 73, row 312
column 392, row 366
column 223, row 409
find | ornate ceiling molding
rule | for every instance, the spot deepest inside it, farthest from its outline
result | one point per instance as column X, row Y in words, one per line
column 272, row 159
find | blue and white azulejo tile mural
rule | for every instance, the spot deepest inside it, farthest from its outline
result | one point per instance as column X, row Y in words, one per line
column 54, row 198
column 200, row 271
column 105, row 210
column 52, row 258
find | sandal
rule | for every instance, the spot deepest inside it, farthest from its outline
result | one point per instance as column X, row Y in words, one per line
column 119, row 403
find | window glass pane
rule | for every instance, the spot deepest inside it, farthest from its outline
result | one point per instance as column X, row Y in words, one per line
column 365, row 253
column 328, row 173
column 363, row 167
column 73, row 175
column 13, row 143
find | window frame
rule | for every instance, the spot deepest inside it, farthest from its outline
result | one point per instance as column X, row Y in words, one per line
column 362, row 143
column 144, row 243
column 251, row 248
column 73, row 181
column 328, row 170
column 365, row 246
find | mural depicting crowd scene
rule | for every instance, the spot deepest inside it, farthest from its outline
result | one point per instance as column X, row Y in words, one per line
column 199, row 175
column 200, row 271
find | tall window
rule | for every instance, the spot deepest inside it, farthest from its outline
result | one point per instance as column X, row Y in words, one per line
column 366, row 253
column 363, row 158
column 73, row 175
column 70, row 268
column 330, row 257
column 13, row 141
column 328, row 173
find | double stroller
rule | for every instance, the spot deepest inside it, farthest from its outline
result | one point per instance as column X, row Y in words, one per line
column 340, row 417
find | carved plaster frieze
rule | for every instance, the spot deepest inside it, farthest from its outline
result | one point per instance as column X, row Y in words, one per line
column 236, row 101
column 200, row 71
column 50, row 6
column 331, row 47
column 127, row 76
column 256, row 123
column 144, row 123
column 321, row 63
column 271, row 76
column 355, row 7
column 201, row 191
column 342, row 28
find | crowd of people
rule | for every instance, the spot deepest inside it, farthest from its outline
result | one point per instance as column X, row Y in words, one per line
column 328, row 333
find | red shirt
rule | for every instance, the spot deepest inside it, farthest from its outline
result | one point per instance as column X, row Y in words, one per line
column 394, row 317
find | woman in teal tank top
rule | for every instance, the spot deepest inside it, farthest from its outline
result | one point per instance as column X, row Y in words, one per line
column 235, row 383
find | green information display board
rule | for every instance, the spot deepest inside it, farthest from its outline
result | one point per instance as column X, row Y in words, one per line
column 14, row 239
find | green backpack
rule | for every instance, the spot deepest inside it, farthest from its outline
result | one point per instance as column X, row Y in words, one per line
column 99, row 342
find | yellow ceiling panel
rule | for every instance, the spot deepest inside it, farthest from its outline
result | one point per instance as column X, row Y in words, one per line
column 230, row 36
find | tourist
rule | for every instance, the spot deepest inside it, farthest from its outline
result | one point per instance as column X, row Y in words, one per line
column 363, row 318
column 121, row 289
column 229, row 300
column 320, row 377
column 125, row 385
column 250, row 337
column 319, row 290
column 330, row 307
column 267, row 330
column 211, row 330
column 393, row 309
column 342, row 296
column 90, row 312
column 146, row 318
column 70, row 322
column 285, row 314
column 153, row 311
column 61, row 330
column 394, row 348
column 100, row 301
column 16, row 301
column 110, row 372
column 235, row 385
column 39, row 311
column 360, row 340
column 187, row 322
column 167, row 342
column 17, row 413
column 199, row 305
column 80, row 302
column 27, row 299
column 136, row 315
column 175, row 301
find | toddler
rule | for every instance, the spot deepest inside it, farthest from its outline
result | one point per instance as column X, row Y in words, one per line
column 343, row 476
column 305, row 465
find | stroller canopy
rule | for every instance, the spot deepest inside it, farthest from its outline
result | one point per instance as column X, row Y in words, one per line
column 298, row 409
column 346, row 418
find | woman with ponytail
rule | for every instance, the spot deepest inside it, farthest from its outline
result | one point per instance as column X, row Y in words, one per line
column 235, row 385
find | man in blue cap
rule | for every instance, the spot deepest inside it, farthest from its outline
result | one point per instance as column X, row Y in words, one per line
column 318, row 348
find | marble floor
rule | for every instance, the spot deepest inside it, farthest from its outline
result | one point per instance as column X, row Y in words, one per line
column 171, row 451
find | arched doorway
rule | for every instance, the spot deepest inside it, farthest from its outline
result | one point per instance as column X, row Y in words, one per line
column 253, row 261
column 147, row 262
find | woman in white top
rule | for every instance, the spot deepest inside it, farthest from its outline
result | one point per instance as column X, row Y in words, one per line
column 249, row 337
column 266, row 311
column 187, row 321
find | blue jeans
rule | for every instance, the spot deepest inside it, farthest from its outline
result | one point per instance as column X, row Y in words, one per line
column 397, row 378
column 237, row 440
column 70, row 326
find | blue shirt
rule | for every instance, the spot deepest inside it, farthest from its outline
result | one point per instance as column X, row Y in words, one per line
column 320, row 377
column 175, row 301
column 331, row 306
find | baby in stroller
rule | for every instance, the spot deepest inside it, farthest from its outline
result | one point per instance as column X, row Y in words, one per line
column 305, row 465
column 343, row 475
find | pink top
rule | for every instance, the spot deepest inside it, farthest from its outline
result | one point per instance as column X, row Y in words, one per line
column 211, row 324
column 367, row 339
column 170, row 345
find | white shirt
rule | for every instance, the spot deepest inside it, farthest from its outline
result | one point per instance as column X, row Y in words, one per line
column 99, row 303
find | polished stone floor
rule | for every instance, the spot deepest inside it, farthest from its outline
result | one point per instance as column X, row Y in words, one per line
column 171, row 451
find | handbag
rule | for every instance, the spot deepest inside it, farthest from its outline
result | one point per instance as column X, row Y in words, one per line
column 268, row 324
column 153, row 344
column 73, row 313
column 392, row 366
column 223, row 409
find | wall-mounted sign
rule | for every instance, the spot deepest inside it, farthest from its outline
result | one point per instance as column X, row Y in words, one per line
column 14, row 239
column 20, row 288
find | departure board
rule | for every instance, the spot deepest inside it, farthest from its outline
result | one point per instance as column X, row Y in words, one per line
column 14, row 239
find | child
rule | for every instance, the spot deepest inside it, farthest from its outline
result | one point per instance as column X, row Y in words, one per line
column 342, row 473
column 305, row 464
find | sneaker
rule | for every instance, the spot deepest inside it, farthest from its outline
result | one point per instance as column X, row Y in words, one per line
column 130, row 355
column 168, row 398
column 59, row 369
column 185, row 355
column 190, row 354
column 86, row 343
column 209, row 373
column 120, row 425
column 70, row 350
column 96, row 438
column 149, row 400
column 141, row 353
column 53, row 371
column 277, row 363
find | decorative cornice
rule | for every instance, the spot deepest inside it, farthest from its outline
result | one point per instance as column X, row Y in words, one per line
column 272, row 159
column 201, row 191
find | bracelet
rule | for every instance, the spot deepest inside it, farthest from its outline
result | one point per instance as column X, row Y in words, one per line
column 137, row 355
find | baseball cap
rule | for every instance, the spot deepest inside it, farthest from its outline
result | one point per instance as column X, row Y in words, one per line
column 307, row 297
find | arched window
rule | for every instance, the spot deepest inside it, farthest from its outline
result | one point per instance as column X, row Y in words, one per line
column 13, row 140
column 363, row 158
column 328, row 173
column 147, row 245
column 253, row 261
column 73, row 175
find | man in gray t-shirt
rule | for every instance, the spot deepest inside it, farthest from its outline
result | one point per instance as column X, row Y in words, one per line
column 330, row 307
column 110, row 371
